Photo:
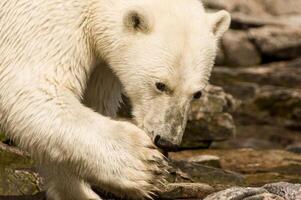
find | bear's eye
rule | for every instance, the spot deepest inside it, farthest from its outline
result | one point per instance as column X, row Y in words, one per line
column 198, row 95
column 161, row 86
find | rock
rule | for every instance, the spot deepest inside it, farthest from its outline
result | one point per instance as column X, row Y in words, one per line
column 208, row 120
column 16, row 173
column 257, row 13
column 208, row 160
column 259, row 167
column 281, row 102
column 277, row 42
column 238, row 49
column 280, row 7
column 237, row 6
column 184, row 171
column 245, row 22
column 238, row 193
column 217, row 127
column 295, row 148
column 282, row 74
column 274, row 191
column 215, row 100
column 257, row 7
column 38, row 196
column 186, row 191
column 287, row 191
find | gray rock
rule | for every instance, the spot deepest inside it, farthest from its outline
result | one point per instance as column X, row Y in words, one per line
column 295, row 148
column 186, row 191
column 279, row 42
column 209, row 127
column 236, row 193
column 282, row 74
column 257, row 7
column 238, row 49
column 286, row 190
column 183, row 171
column 284, row 102
column 208, row 160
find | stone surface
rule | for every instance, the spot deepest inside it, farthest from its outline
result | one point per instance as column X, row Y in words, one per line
column 282, row 74
column 282, row 102
column 257, row 7
column 239, row 50
column 259, row 167
column 17, row 175
column 244, row 22
column 186, row 191
column 188, row 179
column 208, row 127
column 237, row 193
column 208, row 160
column 295, row 148
column 38, row 196
column 285, row 190
column 278, row 42
column 183, row 171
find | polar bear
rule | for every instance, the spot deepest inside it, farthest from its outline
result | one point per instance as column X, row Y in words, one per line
column 63, row 67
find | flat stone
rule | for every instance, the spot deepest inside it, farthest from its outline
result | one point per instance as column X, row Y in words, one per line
column 236, row 193
column 184, row 171
column 208, row 160
column 186, row 191
column 295, row 148
column 282, row 74
column 258, row 166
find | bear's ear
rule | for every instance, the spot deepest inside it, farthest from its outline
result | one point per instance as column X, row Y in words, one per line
column 219, row 22
column 137, row 21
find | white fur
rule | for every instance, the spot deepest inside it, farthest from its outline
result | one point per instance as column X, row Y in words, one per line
column 63, row 66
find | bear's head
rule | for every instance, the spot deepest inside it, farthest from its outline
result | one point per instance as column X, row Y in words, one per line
column 163, row 56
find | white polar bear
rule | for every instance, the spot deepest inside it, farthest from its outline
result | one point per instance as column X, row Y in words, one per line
column 63, row 67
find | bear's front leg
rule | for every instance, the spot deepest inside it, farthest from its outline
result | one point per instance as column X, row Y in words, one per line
column 59, row 131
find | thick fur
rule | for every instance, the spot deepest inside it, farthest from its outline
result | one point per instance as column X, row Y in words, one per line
column 63, row 67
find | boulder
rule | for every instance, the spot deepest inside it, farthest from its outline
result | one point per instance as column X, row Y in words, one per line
column 238, row 49
column 284, row 102
column 282, row 74
column 277, row 42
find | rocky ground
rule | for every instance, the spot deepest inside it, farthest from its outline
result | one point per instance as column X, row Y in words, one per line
column 243, row 139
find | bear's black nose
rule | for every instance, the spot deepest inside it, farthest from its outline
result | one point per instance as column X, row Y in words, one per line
column 164, row 144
